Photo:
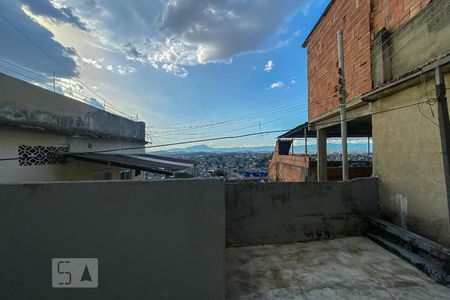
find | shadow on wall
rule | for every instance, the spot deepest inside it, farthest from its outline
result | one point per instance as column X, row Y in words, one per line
column 291, row 212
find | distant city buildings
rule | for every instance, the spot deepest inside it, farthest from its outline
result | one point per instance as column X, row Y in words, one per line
column 234, row 165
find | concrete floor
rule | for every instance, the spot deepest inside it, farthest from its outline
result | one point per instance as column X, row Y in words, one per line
column 348, row 268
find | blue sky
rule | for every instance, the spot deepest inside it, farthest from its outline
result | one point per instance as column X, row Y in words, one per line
column 190, row 69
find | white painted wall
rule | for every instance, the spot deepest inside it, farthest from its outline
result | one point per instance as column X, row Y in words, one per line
column 408, row 161
column 12, row 172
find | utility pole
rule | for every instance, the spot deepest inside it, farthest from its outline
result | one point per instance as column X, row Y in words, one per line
column 342, row 100
column 444, row 126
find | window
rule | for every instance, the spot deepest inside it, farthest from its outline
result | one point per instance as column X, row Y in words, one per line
column 125, row 175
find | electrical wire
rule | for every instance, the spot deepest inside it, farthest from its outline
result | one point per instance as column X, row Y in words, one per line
column 229, row 123
column 238, row 129
column 60, row 65
column 220, row 138
column 429, row 101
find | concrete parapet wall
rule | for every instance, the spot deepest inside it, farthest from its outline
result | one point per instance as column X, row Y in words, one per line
column 153, row 240
column 290, row 212
column 26, row 106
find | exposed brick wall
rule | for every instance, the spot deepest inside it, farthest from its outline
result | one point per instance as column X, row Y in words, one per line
column 356, row 18
column 353, row 16
column 392, row 14
column 286, row 168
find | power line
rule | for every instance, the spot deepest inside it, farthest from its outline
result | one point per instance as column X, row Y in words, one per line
column 238, row 129
column 221, row 138
column 375, row 113
column 424, row 13
column 66, row 91
column 412, row 39
column 58, row 64
column 236, row 110
column 23, row 68
column 230, row 122
column 260, row 112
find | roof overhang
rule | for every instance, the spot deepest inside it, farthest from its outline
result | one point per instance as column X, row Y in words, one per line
column 408, row 80
column 142, row 162
column 361, row 127
column 299, row 132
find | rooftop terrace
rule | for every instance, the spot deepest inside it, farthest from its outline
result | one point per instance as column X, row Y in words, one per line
column 345, row 268
column 207, row 239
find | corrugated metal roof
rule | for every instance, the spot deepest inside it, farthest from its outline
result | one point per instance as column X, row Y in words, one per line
column 361, row 127
column 299, row 132
column 143, row 162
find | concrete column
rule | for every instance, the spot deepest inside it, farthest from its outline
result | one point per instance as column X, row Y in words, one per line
column 381, row 57
column 321, row 155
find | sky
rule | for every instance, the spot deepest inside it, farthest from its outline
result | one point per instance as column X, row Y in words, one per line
column 190, row 69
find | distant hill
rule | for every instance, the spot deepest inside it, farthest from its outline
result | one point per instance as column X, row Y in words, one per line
column 352, row 147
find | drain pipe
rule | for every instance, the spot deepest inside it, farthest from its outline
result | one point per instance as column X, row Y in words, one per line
column 444, row 125
column 342, row 106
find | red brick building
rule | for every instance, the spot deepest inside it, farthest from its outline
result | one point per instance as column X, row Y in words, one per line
column 354, row 18
column 360, row 20
column 396, row 53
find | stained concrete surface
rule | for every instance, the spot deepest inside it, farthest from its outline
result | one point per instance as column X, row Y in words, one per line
column 347, row 268
column 276, row 213
column 153, row 240
column 26, row 106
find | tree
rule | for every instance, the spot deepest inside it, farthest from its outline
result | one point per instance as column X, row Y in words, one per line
column 183, row 175
column 219, row 173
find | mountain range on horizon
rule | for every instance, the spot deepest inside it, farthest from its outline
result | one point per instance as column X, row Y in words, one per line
column 355, row 147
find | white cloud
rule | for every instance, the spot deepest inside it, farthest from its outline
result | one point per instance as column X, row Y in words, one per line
column 293, row 81
column 298, row 32
column 125, row 70
column 17, row 49
column 101, row 65
column 269, row 66
column 96, row 63
column 173, row 34
column 277, row 85
column 175, row 70
column 186, row 32
column 221, row 29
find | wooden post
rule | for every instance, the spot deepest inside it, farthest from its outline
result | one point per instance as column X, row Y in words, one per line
column 444, row 126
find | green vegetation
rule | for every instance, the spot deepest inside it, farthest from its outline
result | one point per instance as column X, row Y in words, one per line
column 263, row 162
column 183, row 175
column 219, row 173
